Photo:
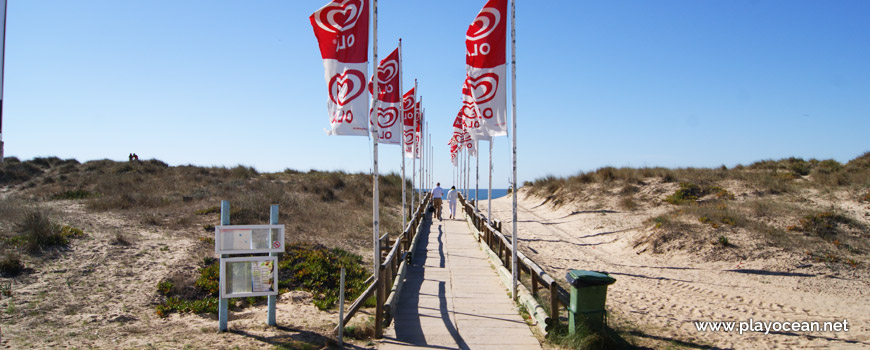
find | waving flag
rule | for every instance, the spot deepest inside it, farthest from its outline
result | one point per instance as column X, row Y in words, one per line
column 461, row 136
column 409, row 122
column 418, row 116
column 472, row 122
column 485, row 64
column 389, row 100
column 342, row 31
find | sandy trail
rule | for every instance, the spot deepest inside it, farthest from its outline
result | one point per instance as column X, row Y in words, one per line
column 664, row 296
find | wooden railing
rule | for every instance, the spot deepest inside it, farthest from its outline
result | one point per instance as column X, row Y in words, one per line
column 490, row 232
column 391, row 272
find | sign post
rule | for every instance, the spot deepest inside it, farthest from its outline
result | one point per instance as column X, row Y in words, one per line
column 248, row 276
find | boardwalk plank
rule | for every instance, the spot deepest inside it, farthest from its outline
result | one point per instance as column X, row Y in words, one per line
column 452, row 298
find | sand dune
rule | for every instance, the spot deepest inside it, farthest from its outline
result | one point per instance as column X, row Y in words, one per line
column 663, row 295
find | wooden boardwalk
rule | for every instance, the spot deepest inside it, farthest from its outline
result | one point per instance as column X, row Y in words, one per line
column 452, row 298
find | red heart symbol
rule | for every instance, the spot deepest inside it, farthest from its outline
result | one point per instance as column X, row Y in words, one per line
column 338, row 17
column 343, row 88
column 483, row 87
column 387, row 116
column 388, row 71
column 409, row 137
column 469, row 110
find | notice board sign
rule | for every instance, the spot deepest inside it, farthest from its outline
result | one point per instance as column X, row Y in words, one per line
column 249, row 276
column 248, row 239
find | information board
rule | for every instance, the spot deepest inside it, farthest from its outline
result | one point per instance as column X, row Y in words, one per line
column 246, row 239
column 249, row 276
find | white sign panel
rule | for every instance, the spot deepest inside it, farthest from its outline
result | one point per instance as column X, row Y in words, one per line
column 247, row 239
column 249, row 276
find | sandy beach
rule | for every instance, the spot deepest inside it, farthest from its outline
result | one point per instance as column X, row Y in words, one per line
column 663, row 295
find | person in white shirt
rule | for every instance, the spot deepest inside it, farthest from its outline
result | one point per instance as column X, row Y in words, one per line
column 452, row 195
column 437, row 193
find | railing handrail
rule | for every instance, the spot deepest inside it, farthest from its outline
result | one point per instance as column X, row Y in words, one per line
column 558, row 294
column 387, row 264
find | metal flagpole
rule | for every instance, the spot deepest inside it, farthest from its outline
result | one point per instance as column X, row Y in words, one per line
column 376, row 262
column 514, row 239
column 402, row 148
column 420, row 149
column 477, row 177
column 489, row 191
column 414, row 149
column 2, row 70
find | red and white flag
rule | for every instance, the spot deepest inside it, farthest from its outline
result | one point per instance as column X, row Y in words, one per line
column 418, row 116
column 472, row 122
column 342, row 31
column 409, row 122
column 461, row 136
column 486, row 68
column 389, row 103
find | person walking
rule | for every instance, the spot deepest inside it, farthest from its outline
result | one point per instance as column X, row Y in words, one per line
column 452, row 195
column 437, row 193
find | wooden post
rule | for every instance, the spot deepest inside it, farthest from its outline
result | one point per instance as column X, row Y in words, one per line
column 554, row 304
column 534, row 284
column 223, row 303
column 272, row 299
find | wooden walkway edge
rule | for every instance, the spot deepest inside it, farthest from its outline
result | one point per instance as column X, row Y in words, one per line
column 452, row 298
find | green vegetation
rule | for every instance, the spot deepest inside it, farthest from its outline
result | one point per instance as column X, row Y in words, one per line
column 824, row 224
column 74, row 194
column 311, row 267
column 11, row 265
column 37, row 232
column 316, row 268
column 586, row 339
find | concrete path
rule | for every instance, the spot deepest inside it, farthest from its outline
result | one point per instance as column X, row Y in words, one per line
column 452, row 298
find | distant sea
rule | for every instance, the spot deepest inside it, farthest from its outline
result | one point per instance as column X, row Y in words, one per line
column 496, row 193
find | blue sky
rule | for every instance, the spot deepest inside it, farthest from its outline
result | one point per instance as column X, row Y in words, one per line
column 620, row 83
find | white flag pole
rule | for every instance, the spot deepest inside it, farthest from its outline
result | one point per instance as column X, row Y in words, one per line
column 514, row 239
column 420, row 149
column 414, row 149
column 2, row 70
column 402, row 148
column 489, row 191
column 477, row 178
column 376, row 262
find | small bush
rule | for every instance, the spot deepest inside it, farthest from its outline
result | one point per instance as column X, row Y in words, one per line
column 37, row 232
column 723, row 241
column 316, row 268
column 11, row 265
column 210, row 210
column 120, row 239
column 825, row 224
column 688, row 192
column 73, row 194
column 164, row 287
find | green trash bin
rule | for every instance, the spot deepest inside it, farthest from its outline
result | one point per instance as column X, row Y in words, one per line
column 588, row 294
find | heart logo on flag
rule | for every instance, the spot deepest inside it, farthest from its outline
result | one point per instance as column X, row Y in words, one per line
column 483, row 87
column 387, row 116
column 484, row 24
column 408, row 104
column 338, row 17
column 345, row 87
column 469, row 110
column 388, row 71
column 409, row 137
